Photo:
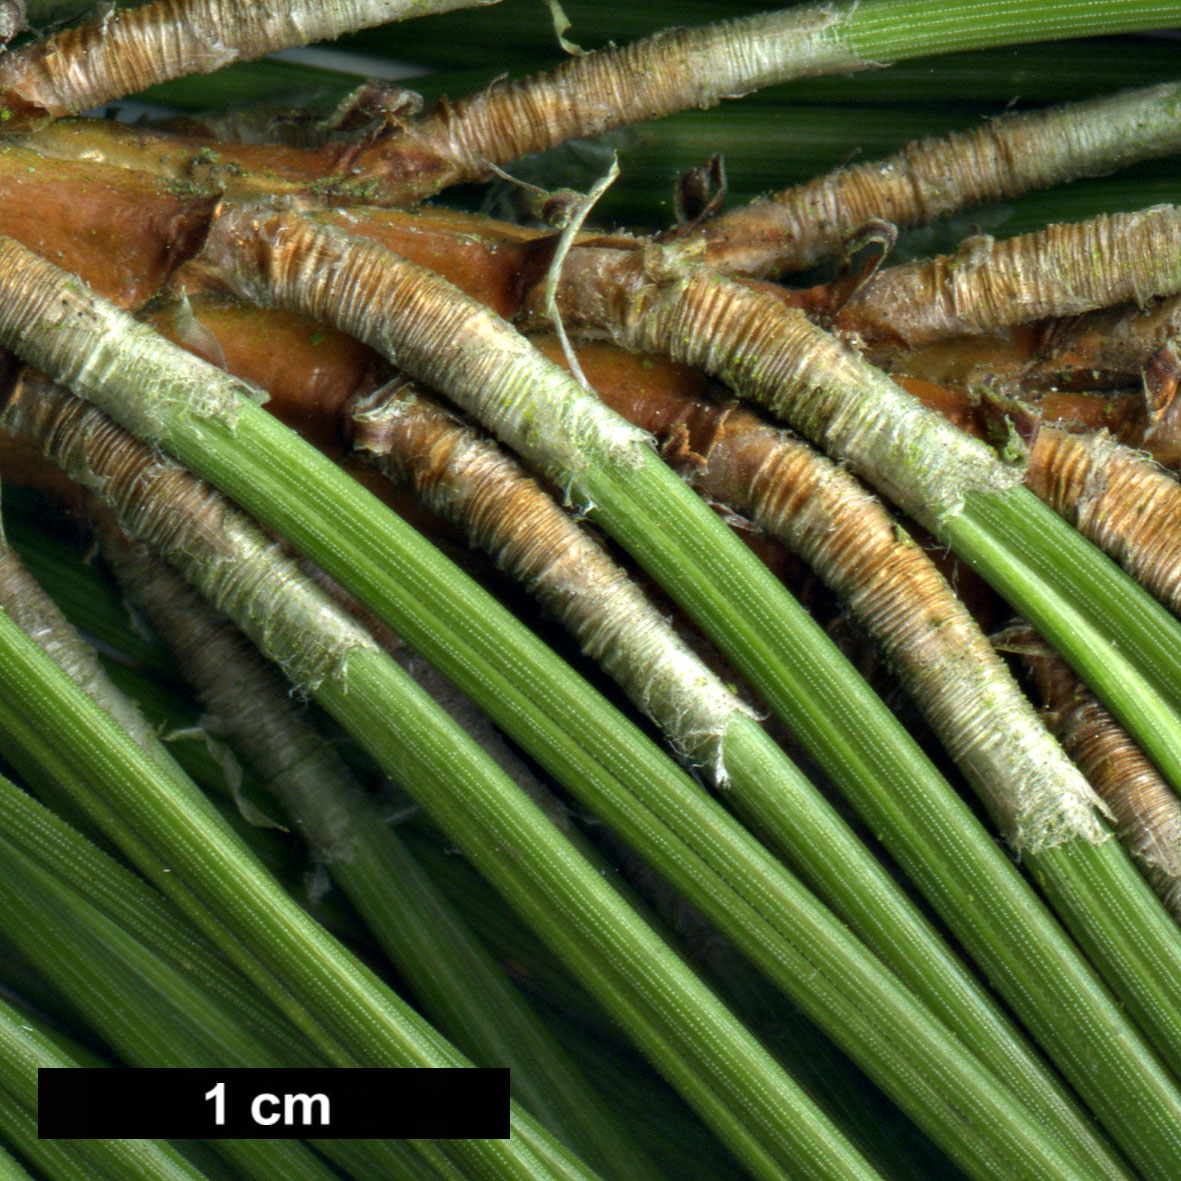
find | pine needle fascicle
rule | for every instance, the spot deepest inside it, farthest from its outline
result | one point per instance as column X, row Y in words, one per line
column 136, row 912
column 668, row 1024
column 458, row 984
column 468, row 480
column 772, row 354
column 147, row 1012
column 778, row 951
column 23, row 1051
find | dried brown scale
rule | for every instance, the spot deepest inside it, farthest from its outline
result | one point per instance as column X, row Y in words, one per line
column 1147, row 811
column 1122, row 414
column 242, row 692
column 1119, row 499
column 1161, row 432
column 363, row 111
column 1059, row 271
column 774, row 355
column 467, row 479
column 932, row 177
column 124, row 51
column 958, row 360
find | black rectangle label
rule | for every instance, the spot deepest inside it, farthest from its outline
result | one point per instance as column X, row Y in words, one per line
column 209, row 1104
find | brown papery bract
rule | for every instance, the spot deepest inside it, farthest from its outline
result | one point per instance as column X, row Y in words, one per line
column 985, row 285
column 1147, row 811
column 935, row 176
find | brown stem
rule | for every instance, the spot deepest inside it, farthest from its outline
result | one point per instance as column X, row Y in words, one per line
column 122, row 232
column 195, row 163
column 1147, row 811
column 127, row 233
column 1060, row 271
column 310, row 371
column 427, row 327
column 670, row 71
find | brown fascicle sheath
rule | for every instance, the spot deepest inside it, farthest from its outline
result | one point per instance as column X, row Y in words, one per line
column 1147, row 811
column 1060, row 271
column 1117, row 497
column 935, row 176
